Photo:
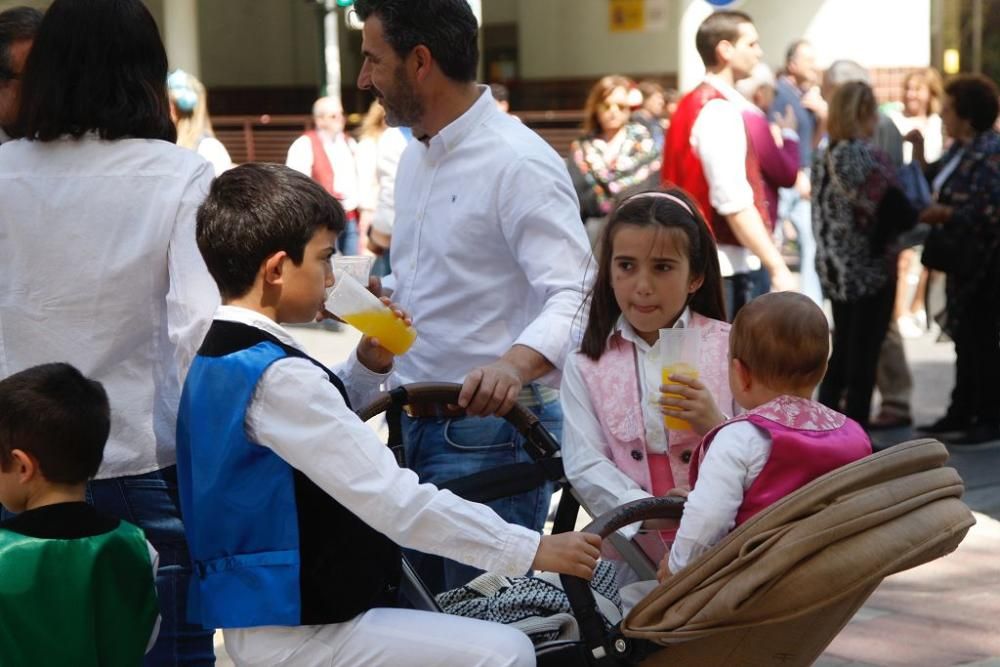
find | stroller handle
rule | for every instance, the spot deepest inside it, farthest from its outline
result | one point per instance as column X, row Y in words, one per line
column 539, row 443
column 581, row 598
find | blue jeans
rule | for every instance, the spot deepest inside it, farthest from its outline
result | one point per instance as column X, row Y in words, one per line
column 798, row 211
column 347, row 241
column 740, row 289
column 440, row 450
column 150, row 501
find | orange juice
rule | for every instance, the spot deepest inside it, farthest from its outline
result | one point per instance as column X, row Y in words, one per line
column 679, row 368
column 393, row 333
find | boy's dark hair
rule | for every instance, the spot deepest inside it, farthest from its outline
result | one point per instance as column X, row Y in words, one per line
column 96, row 66
column 59, row 417
column 783, row 339
column 718, row 27
column 447, row 28
column 646, row 209
column 254, row 211
column 975, row 99
column 16, row 25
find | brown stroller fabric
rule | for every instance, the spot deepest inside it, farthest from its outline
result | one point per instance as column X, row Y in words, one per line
column 780, row 587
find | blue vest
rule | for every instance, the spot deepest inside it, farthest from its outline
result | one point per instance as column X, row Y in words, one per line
column 268, row 546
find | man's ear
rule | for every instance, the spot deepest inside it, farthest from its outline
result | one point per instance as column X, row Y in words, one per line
column 274, row 267
column 723, row 51
column 24, row 465
column 423, row 61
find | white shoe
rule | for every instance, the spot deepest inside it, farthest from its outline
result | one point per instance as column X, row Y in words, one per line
column 908, row 328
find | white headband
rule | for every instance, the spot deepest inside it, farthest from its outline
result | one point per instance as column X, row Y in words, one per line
column 665, row 195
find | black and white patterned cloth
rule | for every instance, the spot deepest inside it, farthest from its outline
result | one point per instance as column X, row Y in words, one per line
column 537, row 605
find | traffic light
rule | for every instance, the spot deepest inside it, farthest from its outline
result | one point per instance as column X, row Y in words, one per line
column 345, row 3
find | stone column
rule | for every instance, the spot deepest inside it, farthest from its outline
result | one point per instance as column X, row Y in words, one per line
column 180, row 35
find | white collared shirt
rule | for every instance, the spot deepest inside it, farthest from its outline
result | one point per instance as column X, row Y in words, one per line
column 300, row 415
column 601, row 484
column 719, row 138
column 733, row 462
column 101, row 269
column 487, row 248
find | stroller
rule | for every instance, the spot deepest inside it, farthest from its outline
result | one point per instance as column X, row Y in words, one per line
column 775, row 591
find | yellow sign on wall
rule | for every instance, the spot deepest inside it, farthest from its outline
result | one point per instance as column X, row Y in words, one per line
column 627, row 15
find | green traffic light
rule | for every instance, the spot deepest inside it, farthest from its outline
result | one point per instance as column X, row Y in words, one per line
column 345, row 3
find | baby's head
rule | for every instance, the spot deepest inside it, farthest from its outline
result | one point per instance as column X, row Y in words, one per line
column 54, row 423
column 779, row 344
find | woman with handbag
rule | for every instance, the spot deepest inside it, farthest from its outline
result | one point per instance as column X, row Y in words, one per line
column 858, row 211
column 965, row 243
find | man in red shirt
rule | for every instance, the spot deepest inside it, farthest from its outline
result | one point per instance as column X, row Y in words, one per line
column 708, row 154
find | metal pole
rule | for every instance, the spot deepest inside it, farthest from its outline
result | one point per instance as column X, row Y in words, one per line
column 331, row 50
column 977, row 36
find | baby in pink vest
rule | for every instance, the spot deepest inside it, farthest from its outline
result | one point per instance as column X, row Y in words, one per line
column 658, row 268
column 778, row 348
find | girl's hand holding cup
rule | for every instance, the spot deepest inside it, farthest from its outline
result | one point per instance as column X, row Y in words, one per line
column 690, row 400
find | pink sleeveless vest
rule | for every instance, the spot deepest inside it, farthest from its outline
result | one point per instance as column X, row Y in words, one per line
column 613, row 384
column 808, row 440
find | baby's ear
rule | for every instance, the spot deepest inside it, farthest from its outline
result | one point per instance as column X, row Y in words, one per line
column 740, row 371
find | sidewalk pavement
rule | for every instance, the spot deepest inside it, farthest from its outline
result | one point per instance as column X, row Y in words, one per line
column 943, row 613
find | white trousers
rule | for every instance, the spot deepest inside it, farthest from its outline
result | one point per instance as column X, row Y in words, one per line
column 389, row 637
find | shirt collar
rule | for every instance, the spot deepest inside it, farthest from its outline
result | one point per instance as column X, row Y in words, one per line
column 452, row 134
column 628, row 332
column 254, row 319
column 730, row 93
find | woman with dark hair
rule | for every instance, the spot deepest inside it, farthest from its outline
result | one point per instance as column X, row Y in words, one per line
column 613, row 154
column 101, row 268
column 858, row 211
column 966, row 186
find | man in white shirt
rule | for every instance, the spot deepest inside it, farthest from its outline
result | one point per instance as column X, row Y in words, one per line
column 707, row 153
column 18, row 27
column 327, row 155
column 488, row 253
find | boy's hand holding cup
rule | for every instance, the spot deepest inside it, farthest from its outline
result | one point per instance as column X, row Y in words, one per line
column 386, row 328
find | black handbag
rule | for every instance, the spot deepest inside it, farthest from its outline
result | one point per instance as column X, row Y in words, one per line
column 948, row 250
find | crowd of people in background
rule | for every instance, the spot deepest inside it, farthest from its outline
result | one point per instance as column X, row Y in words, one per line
column 690, row 203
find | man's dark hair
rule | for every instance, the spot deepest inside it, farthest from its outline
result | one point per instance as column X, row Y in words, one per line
column 254, row 211
column 17, row 24
column 974, row 98
column 793, row 50
column 446, row 27
column 59, row 417
column 718, row 27
column 96, row 66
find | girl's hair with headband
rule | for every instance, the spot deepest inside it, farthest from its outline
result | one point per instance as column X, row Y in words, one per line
column 672, row 210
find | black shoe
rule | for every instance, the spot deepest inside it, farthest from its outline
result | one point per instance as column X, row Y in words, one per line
column 977, row 435
column 947, row 424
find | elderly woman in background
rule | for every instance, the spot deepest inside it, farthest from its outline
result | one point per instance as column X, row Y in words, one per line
column 613, row 154
column 966, row 183
column 189, row 111
column 858, row 211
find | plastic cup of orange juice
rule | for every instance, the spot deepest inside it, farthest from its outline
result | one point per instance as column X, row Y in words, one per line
column 358, row 266
column 679, row 354
column 352, row 302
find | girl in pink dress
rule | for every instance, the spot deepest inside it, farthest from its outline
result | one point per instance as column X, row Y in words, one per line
column 658, row 269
